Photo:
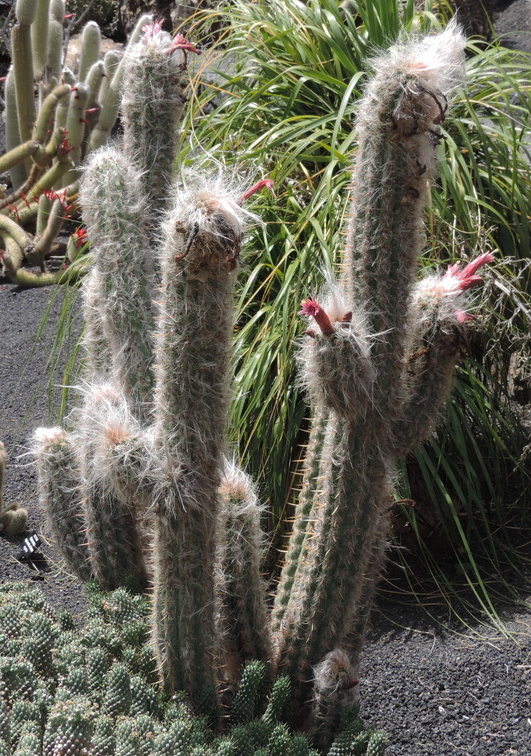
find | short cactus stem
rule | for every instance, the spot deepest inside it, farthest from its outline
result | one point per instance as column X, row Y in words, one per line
column 241, row 588
column 90, row 49
column 335, row 692
column 114, row 544
column 60, row 496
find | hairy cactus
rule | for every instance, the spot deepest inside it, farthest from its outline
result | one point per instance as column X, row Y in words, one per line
column 13, row 519
column 377, row 362
column 148, row 445
column 48, row 138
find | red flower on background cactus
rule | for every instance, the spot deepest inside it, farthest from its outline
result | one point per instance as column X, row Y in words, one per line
column 180, row 43
column 80, row 238
column 262, row 184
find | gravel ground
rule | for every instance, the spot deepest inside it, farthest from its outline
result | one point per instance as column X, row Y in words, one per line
column 436, row 692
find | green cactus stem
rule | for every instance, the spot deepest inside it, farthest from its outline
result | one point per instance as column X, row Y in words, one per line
column 113, row 211
column 152, row 104
column 23, row 74
column 13, row 518
column 90, row 49
column 39, row 37
column 47, row 112
column 18, row 154
column 111, row 104
column 334, row 683
column 44, row 242
column 243, row 613
column 115, row 547
column 60, row 496
column 18, row 172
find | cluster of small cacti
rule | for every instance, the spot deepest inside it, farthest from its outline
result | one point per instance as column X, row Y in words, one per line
column 92, row 691
column 144, row 470
column 54, row 118
column 13, row 519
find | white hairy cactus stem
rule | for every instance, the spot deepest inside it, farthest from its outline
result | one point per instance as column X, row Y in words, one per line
column 203, row 237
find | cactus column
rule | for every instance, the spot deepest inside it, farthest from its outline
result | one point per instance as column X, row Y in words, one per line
column 191, row 399
column 354, row 364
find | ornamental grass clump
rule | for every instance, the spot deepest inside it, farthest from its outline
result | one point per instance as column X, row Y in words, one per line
column 159, row 503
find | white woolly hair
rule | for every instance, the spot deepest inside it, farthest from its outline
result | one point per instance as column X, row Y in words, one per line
column 332, row 671
column 207, row 195
column 437, row 289
column 236, row 483
column 45, row 436
column 105, row 414
column 437, row 60
column 97, row 164
column 154, row 44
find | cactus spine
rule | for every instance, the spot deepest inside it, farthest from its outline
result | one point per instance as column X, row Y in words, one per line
column 150, row 439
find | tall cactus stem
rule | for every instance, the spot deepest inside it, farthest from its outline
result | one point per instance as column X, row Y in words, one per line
column 354, row 367
column 23, row 73
column 191, row 400
column 18, row 172
column 152, row 104
column 90, row 49
column 113, row 211
column 54, row 53
column 111, row 104
column 39, row 37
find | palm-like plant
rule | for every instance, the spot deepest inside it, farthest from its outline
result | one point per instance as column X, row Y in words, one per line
column 289, row 76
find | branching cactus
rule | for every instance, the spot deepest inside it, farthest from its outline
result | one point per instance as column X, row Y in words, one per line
column 48, row 137
column 156, row 499
column 377, row 360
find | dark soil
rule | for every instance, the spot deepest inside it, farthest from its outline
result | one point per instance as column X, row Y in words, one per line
column 435, row 689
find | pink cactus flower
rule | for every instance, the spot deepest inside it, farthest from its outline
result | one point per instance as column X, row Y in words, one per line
column 313, row 309
column 180, row 43
column 153, row 29
column 454, row 282
column 263, row 184
column 455, row 279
